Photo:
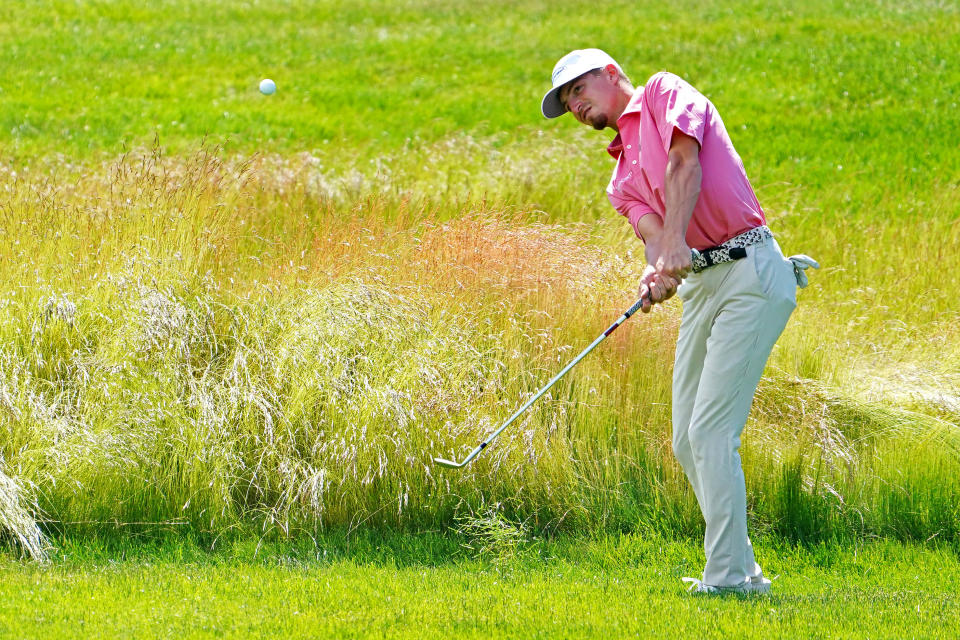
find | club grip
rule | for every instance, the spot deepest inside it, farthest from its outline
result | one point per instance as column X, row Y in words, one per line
column 636, row 307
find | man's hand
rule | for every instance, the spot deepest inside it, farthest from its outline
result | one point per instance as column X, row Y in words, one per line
column 675, row 259
column 655, row 287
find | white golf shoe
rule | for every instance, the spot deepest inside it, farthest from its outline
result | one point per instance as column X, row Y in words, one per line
column 756, row 585
column 698, row 587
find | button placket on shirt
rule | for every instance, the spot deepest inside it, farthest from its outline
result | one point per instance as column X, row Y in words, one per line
column 628, row 159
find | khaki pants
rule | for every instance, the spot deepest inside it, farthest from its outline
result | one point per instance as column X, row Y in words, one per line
column 733, row 314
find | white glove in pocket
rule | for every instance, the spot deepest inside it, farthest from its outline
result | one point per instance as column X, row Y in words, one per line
column 801, row 263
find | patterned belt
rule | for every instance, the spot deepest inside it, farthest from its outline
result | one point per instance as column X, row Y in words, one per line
column 733, row 249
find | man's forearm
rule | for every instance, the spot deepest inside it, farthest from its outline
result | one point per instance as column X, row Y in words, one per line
column 681, row 190
column 654, row 287
column 651, row 247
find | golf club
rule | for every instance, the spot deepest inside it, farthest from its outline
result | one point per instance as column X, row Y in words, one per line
column 443, row 462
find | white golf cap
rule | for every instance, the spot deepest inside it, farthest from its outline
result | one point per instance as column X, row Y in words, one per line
column 569, row 67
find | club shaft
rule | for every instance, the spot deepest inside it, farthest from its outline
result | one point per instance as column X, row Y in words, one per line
column 636, row 306
column 694, row 254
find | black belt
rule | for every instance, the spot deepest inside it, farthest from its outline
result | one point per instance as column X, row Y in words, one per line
column 733, row 249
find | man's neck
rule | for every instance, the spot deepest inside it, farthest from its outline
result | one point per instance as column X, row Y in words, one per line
column 623, row 99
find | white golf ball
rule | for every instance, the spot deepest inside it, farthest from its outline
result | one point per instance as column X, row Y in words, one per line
column 267, row 86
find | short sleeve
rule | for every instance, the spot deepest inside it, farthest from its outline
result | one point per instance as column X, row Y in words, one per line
column 630, row 208
column 675, row 104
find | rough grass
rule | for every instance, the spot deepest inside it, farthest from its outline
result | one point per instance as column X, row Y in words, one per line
column 393, row 252
column 224, row 346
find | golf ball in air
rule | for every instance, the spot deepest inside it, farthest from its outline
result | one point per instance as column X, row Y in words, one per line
column 267, row 86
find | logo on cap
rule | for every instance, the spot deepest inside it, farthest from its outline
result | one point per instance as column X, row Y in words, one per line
column 571, row 59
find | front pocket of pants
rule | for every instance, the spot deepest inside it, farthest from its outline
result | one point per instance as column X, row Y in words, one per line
column 774, row 272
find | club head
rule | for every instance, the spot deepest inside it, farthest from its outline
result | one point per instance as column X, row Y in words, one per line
column 450, row 464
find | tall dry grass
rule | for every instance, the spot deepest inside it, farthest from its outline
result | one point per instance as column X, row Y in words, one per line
column 264, row 347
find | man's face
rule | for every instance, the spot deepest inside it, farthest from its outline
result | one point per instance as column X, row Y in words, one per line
column 592, row 98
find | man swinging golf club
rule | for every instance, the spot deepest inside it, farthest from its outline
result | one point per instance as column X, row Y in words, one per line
column 681, row 185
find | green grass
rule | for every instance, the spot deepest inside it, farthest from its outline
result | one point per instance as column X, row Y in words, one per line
column 271, row 334
column 427, row 586
column 235, row 328
column 806, row 88
column 831, row 108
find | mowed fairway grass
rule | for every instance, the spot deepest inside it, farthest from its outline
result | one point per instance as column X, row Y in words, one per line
column 253, row 320
column 422, row 587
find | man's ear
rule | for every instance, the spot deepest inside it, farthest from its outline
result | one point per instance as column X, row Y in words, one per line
column 612, row 72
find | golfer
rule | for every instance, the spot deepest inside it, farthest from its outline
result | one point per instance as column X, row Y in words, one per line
column 681, row 185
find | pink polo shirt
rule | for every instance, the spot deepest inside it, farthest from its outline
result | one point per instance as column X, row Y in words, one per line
column 727, row 204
